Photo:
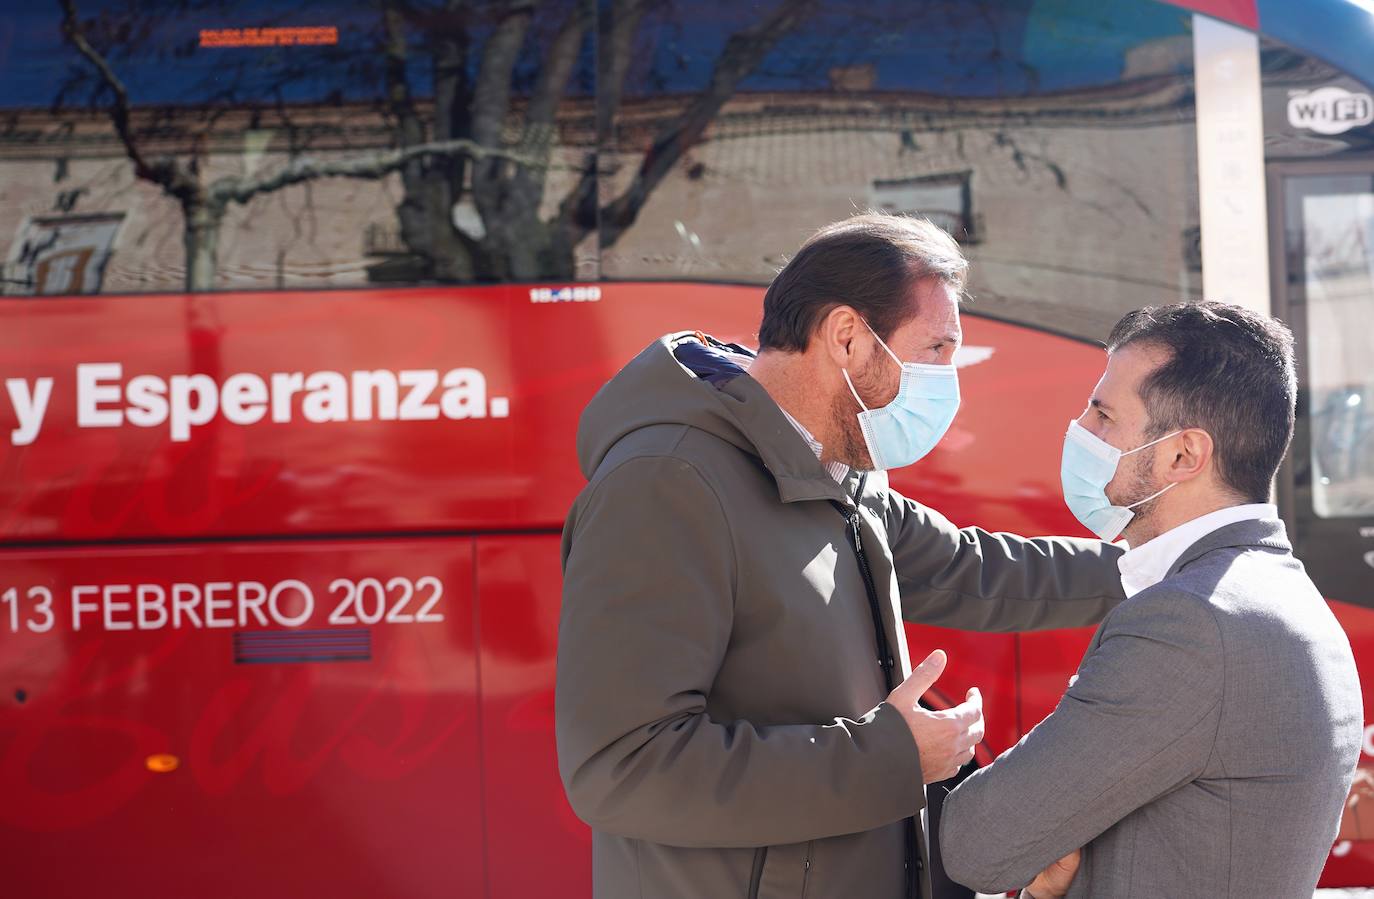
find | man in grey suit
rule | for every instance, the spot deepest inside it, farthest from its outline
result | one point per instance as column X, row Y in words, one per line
column 1209, row 738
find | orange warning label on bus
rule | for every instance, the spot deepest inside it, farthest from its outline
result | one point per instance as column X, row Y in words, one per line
column 269, row 37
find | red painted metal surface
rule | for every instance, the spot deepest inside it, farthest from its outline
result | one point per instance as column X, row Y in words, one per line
column 431, row 765
column 543, row 359
column 1352, row 863
column 357, row 778
column 1239, row 12
column 519, row 584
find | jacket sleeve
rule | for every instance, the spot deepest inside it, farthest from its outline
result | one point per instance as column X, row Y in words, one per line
column 1139, row 720
column 648, row 611
column 973, row 579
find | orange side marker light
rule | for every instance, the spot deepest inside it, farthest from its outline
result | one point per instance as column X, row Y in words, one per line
column 162, row 763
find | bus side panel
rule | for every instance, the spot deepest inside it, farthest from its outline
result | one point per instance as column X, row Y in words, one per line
column 536, row 846
column 159, row 750
column 260, row 413
column 1352, row 858
column 474, row 428
column 1047, row 661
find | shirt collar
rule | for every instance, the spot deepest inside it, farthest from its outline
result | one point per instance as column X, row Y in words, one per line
column 837, row 470
column 1146, row 565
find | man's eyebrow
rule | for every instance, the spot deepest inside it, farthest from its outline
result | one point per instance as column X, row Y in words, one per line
column 1098, row 404
column 950, row 338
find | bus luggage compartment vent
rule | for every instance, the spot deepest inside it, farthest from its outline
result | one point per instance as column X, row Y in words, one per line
column 285, row 647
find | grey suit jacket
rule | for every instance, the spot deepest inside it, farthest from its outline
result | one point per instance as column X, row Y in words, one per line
column 1204, row 749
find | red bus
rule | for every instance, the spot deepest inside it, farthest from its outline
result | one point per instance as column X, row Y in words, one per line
column 302, row 303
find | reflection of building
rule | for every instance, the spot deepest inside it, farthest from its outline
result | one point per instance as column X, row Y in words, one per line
column 60, row 254
column 326, row 233
column 1079, row 205
column 1074, row 206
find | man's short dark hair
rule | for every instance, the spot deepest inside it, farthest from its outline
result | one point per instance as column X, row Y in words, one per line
column 1229, row 372
column 871, row 262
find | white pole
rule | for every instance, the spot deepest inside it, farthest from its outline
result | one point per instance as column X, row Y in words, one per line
column 1230, row 157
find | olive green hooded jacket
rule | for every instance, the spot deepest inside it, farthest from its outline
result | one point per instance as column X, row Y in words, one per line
column 720, row 707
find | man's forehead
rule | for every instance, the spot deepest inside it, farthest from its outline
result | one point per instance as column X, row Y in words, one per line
column 1126, row 368
column 1134, row 362
column 937, row 311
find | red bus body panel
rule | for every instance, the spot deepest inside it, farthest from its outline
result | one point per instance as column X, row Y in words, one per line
column 371, row 742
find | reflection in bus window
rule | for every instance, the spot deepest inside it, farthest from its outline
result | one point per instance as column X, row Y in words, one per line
column 1336, row 218
column 292, row 145
column 1054, row 138
column 696, row 141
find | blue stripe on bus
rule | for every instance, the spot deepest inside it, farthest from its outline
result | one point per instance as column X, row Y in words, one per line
column 1338, row 31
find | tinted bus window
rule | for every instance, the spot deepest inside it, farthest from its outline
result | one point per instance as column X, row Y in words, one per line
column 1054, row 139
column 1331, row 222
column 292, row 145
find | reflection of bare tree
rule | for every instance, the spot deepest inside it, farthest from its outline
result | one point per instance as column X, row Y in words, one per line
column 203, row 204
column 742, row 54
column 485, row 134
column 507, row 177
column 508, row 190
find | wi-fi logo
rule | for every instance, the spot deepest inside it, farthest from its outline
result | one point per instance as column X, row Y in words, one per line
column 1330, row 110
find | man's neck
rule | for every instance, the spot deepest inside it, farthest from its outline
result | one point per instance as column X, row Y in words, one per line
column 1183, row 509
column 791, row 382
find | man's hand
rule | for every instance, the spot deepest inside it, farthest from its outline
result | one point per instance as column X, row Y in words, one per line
column 946, row 738
column 1053, row 882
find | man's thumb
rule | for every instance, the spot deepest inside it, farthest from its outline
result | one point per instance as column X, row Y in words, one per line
column 924, row 675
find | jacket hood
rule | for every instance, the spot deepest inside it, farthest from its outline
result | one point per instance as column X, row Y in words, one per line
column 687, row 378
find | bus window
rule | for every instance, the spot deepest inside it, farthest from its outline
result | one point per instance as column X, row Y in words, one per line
column 1054, row 139
column 1331, row 218
column 281, row 146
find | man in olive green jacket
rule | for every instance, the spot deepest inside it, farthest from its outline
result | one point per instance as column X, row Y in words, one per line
column 734, row 712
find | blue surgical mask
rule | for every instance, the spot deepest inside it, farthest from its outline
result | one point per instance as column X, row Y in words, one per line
column 909, row 427
column 1088, row 466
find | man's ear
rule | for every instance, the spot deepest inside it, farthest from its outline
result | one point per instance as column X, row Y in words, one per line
column 1193, row 452
column 837, row 332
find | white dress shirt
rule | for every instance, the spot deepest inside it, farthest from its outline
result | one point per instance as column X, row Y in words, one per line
column 1147, row 564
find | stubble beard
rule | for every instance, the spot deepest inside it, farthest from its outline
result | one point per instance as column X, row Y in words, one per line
column 1141, row 528
column 844, row 414
column 852, row 450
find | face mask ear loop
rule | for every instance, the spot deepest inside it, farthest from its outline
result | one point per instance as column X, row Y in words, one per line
column 845, row 372
column 1153, row 496
column 881, row 343
column 1152, row 443
column 1166, row 489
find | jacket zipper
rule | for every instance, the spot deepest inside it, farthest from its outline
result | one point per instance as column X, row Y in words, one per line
column 806, row 867
column 885, row 660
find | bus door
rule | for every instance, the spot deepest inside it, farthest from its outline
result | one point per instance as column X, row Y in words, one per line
column 1322, row 262
column 1324, row 268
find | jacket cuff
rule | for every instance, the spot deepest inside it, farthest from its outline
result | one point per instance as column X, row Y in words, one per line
column 903, row 758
